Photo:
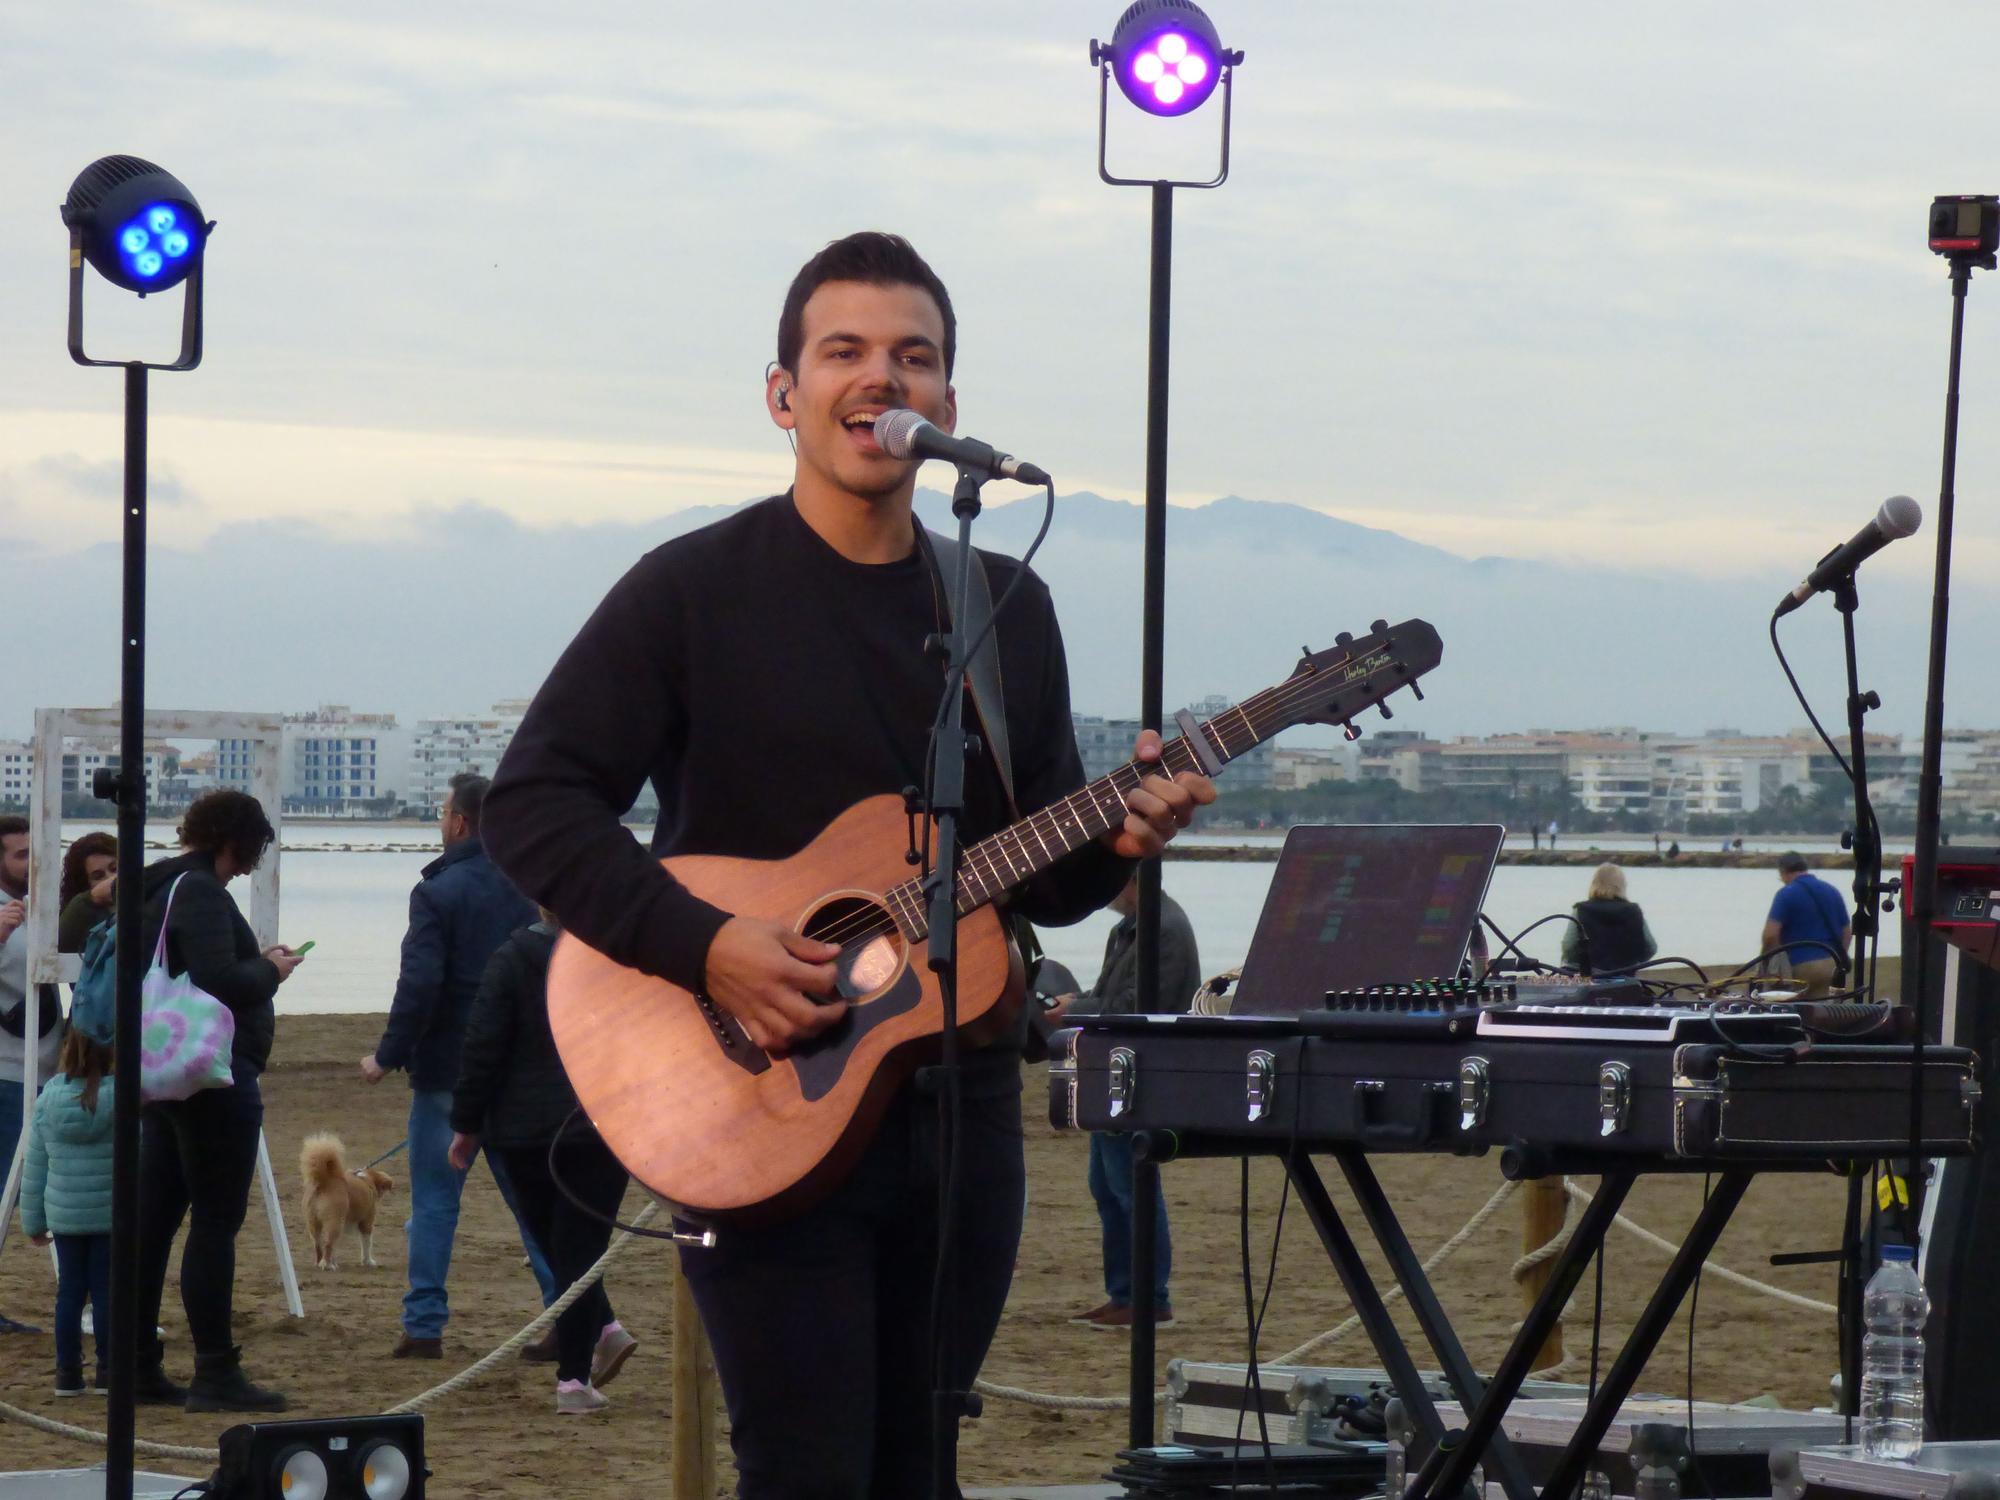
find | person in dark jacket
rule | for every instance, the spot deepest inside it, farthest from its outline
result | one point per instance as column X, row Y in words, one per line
column 1117, row 990
column 1609, row 935
column 514, row 1098
column 197, row 1155
column 460, row 912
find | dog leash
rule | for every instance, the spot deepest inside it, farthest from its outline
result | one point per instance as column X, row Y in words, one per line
column 389, row 1153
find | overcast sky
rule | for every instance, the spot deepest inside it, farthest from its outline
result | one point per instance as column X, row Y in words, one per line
column 1630, row 286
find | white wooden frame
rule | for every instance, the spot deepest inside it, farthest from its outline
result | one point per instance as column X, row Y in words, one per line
column 104, row 726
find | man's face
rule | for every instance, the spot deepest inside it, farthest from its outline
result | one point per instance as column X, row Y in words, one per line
column 14, row 864
column 450, row 824
column 866, row 350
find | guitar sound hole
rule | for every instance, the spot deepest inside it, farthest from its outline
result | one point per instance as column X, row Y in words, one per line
column 871, row 946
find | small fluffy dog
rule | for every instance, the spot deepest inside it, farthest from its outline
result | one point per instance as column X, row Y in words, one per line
column 337, row 1199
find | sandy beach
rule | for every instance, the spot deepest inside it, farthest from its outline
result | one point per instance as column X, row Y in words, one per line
column 501, row 1436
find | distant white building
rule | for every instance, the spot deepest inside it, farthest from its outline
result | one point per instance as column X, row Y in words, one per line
column 333, row 761
column 80, row 764
column 17, row 759
column 441, row 748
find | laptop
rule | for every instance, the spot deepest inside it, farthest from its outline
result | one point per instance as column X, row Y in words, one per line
column 1357, row 905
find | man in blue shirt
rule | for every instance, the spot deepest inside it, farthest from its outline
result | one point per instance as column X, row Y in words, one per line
column 1809, row 920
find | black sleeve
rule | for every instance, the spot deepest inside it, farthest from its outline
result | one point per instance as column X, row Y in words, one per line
column 203, row 923
column 604, row 721
column 489, row 1041
column 1047, row 768
column 1180, row 966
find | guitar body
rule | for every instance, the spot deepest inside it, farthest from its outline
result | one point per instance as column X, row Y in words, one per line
column 713, row 1124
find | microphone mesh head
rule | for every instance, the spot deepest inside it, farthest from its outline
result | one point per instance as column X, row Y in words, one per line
column 895, row 429
column 1899, row 516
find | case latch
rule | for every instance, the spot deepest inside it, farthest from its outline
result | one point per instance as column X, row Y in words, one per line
column 1260, row 1085
column 1614, row 1098
column 1124, row 1080
column 1475, row 1085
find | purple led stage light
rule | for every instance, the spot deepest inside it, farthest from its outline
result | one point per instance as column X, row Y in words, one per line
column 1166, row 56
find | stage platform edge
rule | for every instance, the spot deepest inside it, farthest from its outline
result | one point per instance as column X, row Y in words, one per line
column 86, row 1484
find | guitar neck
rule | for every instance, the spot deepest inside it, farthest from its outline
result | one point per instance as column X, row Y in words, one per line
column 995, row 865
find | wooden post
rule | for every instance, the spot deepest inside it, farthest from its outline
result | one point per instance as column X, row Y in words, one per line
column 694, row 1397
column 1543, row 1207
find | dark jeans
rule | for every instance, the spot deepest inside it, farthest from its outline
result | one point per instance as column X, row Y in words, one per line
column 83, row 1274
column 1111, row 1187
column 569, row 1238
column 196, row 1159
column 821, row 1324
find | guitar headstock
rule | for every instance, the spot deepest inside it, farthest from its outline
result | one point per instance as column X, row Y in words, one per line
column 1355, row 674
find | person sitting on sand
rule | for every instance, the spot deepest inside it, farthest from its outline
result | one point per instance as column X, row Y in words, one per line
column 1609, row 935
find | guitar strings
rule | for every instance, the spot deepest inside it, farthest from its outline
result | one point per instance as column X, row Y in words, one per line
column 868, row 925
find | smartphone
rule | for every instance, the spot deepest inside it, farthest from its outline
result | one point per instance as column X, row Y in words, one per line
column 303, row 949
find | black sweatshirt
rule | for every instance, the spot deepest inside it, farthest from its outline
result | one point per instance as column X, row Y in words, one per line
column 764, row 684
column 512, row 1090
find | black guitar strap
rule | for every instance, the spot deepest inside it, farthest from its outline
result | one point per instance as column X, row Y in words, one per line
column 987, row 699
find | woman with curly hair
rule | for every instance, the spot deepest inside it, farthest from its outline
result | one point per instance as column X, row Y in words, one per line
column 197, row 1155
column 89, row 878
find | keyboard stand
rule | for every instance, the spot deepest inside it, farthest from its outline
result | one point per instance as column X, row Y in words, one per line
column 1448, row 1467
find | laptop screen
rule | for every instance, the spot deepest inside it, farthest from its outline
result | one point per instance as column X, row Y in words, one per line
column 1365, row 904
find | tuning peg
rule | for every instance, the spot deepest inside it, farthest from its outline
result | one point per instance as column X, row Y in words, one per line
column 1417, row 690
column 1345, row 638
column 1351, row 732
column 1387, row 712
column 1378, row 627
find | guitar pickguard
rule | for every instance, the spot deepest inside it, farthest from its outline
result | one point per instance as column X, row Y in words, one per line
column 821, row 1061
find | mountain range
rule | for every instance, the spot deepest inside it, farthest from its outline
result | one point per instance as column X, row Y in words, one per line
column 287, row 614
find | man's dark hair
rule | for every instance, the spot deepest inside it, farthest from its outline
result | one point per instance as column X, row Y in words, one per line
column 12, row 823
column 227, row 819
column 1791, row 863
column 468, row 796
column 872, row 257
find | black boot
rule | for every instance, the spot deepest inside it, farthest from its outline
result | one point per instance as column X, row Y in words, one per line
column 219, row 1384
column 153, row 1386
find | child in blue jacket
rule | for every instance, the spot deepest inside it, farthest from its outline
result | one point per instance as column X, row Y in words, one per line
column 66, row 1193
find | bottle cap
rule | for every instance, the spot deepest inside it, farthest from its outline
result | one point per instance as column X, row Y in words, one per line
column 1904, row 1253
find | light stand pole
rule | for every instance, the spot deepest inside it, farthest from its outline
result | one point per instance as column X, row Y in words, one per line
column 143, row 231
column 1165, row 58
column 1966, row 232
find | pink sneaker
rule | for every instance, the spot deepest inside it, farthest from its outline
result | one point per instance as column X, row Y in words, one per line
column 614, row 1347
column 575, row 1399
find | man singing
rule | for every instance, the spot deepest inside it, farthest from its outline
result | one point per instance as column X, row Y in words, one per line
column 764, row 673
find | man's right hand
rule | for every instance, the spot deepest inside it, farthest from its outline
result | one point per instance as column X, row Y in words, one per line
column 12, row 915
column 767, row 976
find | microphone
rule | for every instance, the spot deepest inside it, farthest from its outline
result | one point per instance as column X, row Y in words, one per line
column 1899, row 516
column 903, row 433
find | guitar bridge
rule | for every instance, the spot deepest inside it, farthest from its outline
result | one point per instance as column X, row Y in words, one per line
column 729, row 1032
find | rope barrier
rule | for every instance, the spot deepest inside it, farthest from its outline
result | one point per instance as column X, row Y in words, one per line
column 1810, row 1304
column 532, row 1330
column 1340, row 1330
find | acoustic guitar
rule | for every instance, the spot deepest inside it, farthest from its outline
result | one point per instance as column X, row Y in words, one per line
column 728, row 1133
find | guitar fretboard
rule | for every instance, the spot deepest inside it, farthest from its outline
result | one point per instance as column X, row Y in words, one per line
column 997, row 864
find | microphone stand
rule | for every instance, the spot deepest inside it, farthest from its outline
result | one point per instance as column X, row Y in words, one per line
column 947, row 804
column 1921, row 902
column 1867, row 848
column 1866, row 844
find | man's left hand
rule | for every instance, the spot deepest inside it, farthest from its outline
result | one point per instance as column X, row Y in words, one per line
column 371, row 1070
column 1160, row 807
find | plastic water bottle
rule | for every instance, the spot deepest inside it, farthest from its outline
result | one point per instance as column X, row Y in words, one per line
column 1893, row 1309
